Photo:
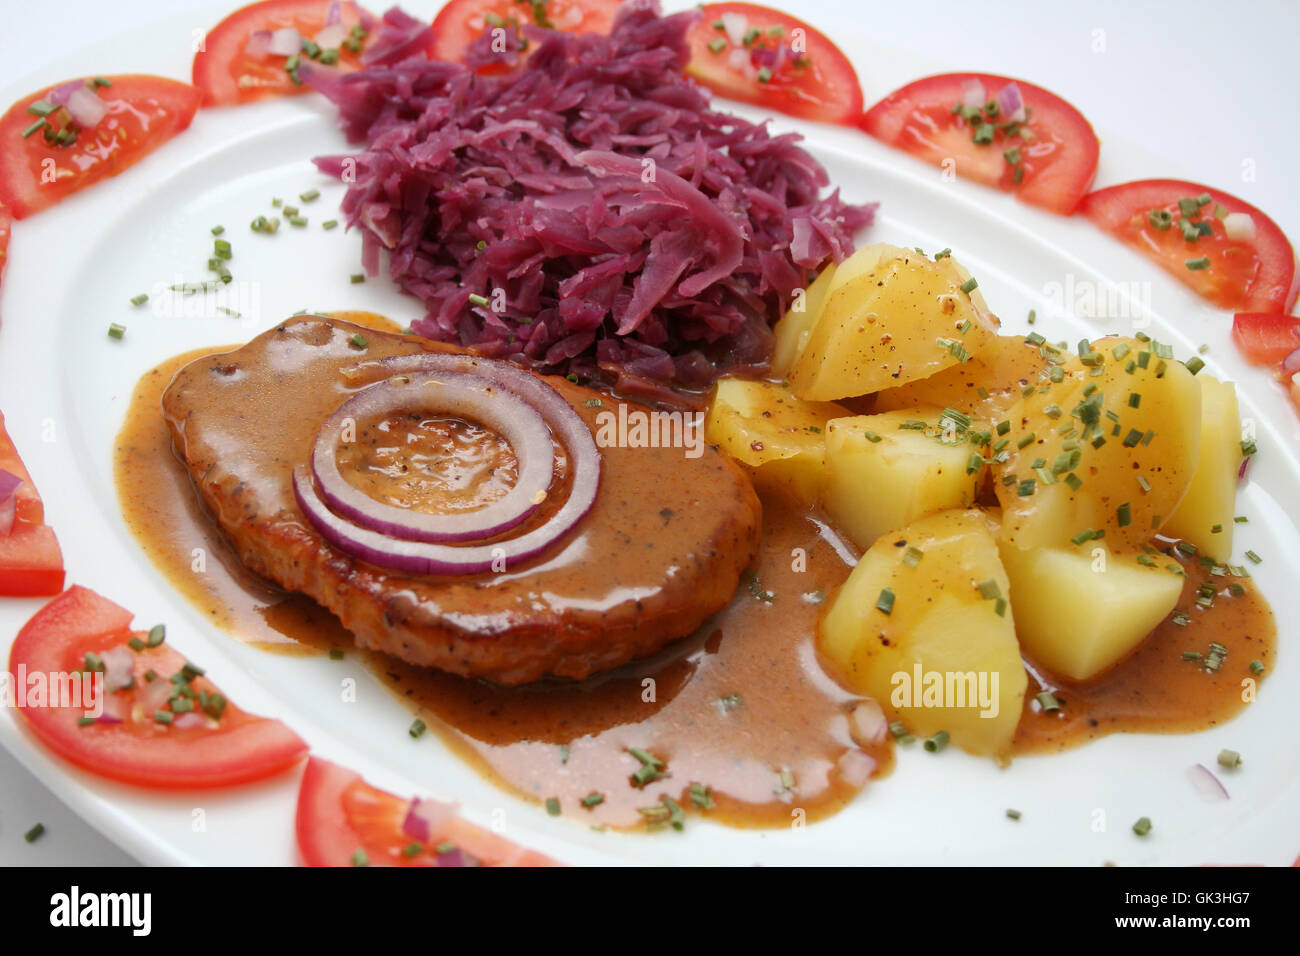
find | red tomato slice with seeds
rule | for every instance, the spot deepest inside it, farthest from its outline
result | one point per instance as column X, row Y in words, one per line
column 143, row 112
column 1266, row 338
column 1049, row 159
column 461, row 22
column 234, row 65
column 208, row 742
column 31, row 564
column 343, row 821
column 758, row 55
column 1241, row 275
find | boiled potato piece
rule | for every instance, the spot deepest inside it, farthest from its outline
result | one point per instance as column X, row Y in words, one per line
column 903, row 319
column 1079, row 612
column 885, row 471
column 1107, row 455
column 945, row 655
column 985, row 387
column 796, row 325
column 781, row 439
column 1211, row 501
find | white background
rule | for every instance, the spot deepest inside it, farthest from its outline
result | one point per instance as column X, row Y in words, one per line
column 1200, row 87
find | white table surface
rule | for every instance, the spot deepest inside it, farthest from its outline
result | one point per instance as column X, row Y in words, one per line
column 1200, row 86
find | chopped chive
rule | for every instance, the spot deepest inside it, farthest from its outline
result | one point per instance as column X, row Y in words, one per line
column 162, row 717
column 1013, row 814
column 329, row 224
column 764, row 75
column 1257, row 667
column 116, row 331
column 336, row 654
column 1143, row 826
column 702, row 796
column 35, row 833
column 1255, row 558
column 357, row 278
column 969, row 286
column 359, row 857
column 1026, row 440
column 417, row 728
column 1197, row 265
column 885, row 603
column 593, row 799
column 1124, row 515
column 1048, row 701
column 937, row 742
column 1230, row 759
column 553, row 806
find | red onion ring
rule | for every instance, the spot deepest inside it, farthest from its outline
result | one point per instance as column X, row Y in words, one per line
column 428, row 558
column 1291, row 364
column 468, row 396
column 1209, row 786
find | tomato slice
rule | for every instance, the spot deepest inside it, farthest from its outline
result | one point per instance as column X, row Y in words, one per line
column 213, row 745
column 1244, row 275
column 1048, row 160
column 343, row 821
column 1266, row 338
column 461, row 22
column 758, row 55
column 143, row 112
column 6, row 226
column 233, row 66
column 31, row 564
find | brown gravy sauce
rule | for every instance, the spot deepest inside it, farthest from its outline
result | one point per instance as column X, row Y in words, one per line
column 742, row 707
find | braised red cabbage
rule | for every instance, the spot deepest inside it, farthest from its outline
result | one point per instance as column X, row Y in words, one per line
column 619, row 228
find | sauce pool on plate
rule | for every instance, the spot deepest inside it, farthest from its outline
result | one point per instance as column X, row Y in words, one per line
column 742, row 710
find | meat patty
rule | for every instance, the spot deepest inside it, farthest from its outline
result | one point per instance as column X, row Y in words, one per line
column 661, row 550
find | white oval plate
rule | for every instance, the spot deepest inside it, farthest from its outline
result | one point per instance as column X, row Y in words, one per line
column 64, row 386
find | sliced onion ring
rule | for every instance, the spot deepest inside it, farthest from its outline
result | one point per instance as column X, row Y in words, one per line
column 427, row 558
column 467, row 396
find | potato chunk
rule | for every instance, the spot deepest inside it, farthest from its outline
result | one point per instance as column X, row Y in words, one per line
column 1107, row 451
column 796, row 325
column 985, row 387
column 781, row 439
column 925, row 629
column 1079, row 612
column 903, row 318
column 1204, row 517
column 885, row 471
